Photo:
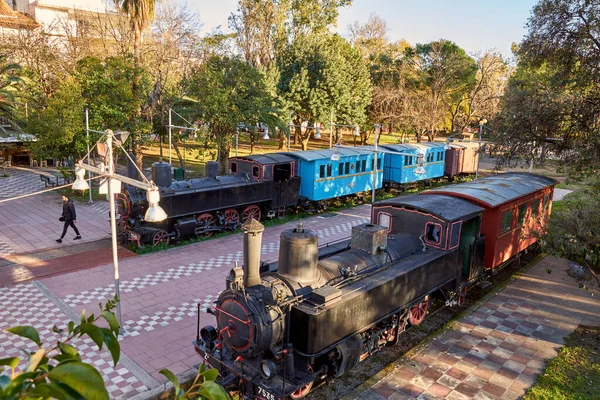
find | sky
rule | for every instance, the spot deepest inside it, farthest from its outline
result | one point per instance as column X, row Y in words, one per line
column 474, row 25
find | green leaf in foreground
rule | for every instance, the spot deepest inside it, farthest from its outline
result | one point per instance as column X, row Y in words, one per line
column 172, row 378
column 213, row 391
column 28, row 332
column 82, row 378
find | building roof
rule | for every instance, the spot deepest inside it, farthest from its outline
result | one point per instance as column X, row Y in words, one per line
column 15, row 20
column 312, row 155
column 265, row 159
column 445, row 207
column 11, row 133
column 496, row 190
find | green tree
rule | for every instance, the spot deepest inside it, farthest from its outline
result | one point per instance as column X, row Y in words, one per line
column 445, row 74
column 554, row 98
column 10, row 84
column 59, row 126
column 321, row 75
column 229, row 92
column 106, row 87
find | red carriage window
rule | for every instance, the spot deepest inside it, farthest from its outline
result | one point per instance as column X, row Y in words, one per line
column 507, row 217
column 535, row 207
column 433, row 233
column 522, row 213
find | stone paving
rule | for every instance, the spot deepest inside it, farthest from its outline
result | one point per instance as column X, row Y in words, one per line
column 31, row 223
column 499, row 348
column 160, row 294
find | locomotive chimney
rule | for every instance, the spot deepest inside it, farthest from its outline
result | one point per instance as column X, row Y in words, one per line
column 252, row 246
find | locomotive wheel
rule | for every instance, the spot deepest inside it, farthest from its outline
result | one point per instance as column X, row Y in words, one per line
column 231, row 216
column 160, row 237
column 252, row 211
column 304, row 390
column 417, row 312
column 209, row 220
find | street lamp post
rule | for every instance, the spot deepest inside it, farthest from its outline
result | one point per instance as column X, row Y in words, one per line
column 375, row 164
column 481, row 123
column 153, row 214
column 87, row 137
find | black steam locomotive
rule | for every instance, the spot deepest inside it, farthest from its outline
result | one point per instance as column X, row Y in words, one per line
column 285, row 328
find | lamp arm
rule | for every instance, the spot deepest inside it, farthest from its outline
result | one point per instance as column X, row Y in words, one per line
column 124, row 179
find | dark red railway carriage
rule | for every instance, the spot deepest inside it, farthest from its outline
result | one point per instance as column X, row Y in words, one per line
column 514, row 203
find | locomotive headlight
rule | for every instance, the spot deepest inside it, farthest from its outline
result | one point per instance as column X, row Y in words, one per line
column 268, row 369
column 154, row 213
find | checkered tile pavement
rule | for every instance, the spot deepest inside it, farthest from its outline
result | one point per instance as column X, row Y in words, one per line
column 172, row 314
column 20, row 182
column 103, row 207
column 24, row 304
column 496, row 351
column 5, row 249
column 100, row 293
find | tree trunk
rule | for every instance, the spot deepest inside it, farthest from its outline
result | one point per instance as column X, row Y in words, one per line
column 136, row 137
column 223, row 149
column 282, row 139
column 336, row 139
column 304, row 141
column 297, row 132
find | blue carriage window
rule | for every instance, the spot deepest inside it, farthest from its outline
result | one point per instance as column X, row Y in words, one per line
column 358, row 166
column 322, row 171
column 347, row 168
column 341, row 169
column 364, row 165
column 329, row 168
column 379, row 163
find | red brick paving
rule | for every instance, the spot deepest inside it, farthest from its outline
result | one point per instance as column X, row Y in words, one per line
column 497, row 350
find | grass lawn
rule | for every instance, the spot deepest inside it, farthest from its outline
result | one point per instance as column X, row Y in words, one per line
column 575, row 373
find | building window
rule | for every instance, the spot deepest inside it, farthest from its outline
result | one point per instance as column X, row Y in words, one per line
column 433, row 233
column 522, row 213
column 535, row 207
column 507, row 217
column 329, row 168
column 322, row 171
column 234, row 168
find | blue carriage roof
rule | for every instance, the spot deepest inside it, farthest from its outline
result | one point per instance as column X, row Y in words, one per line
column 414, row 146
column 445, row 207
column 266, row 159
column 496, row 190
column 313, row 155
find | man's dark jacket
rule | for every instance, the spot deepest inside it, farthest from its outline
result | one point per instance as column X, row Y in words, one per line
column 69, row 211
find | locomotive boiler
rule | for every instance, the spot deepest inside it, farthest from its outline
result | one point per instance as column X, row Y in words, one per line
column 279, row 334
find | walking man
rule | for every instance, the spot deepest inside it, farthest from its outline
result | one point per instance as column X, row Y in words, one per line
column 70, row 218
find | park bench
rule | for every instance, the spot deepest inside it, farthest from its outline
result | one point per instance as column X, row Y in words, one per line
column 49, row 180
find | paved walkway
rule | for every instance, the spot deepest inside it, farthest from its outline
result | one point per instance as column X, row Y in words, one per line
column 160, row 293
column 499, row 348
column 31, row 223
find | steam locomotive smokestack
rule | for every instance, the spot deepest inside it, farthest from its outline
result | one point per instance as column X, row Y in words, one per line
column 252, row 246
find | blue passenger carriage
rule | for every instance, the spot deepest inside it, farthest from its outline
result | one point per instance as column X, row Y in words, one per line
column 324, row 179
column 400, row 168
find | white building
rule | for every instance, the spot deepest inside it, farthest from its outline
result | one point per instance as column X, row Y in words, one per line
column 58, row 17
